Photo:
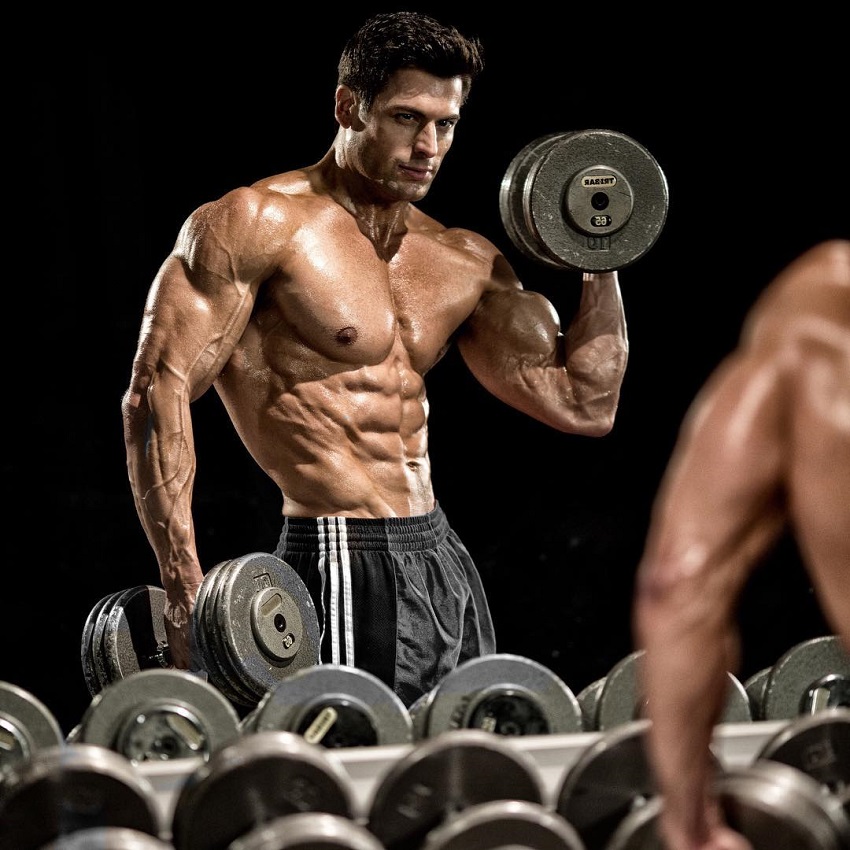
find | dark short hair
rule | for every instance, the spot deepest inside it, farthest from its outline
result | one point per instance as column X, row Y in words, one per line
column 392, row 40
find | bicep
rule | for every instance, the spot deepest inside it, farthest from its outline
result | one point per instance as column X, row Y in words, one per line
column 512, row 333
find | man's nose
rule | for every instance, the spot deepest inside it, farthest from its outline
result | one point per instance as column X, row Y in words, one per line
column 426, row 140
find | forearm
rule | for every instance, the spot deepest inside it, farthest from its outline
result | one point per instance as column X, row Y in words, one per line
column 691, row 646
column 596, row 341
column 161, row 467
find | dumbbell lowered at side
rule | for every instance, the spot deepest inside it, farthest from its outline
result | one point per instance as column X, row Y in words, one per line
column 254, row 624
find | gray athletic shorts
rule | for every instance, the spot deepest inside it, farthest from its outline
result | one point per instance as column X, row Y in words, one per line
column 400, row 597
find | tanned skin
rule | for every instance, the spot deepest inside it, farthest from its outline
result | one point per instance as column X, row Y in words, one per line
column 764, row 447
column 315, row 302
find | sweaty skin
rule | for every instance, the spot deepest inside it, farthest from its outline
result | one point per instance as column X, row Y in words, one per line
column 765, row 446
column 315, row 302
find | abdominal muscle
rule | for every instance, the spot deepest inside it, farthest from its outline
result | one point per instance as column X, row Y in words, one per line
column 351, row 442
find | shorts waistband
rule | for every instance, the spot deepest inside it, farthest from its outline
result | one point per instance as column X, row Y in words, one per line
column 389, row 534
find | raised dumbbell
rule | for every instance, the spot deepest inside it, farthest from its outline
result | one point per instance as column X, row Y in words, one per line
column 594, row 200
column 334, row 705
column 501, row 693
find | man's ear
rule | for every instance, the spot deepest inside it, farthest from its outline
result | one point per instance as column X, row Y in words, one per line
column 347, row 107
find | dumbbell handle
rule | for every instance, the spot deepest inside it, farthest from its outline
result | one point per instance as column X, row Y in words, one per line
column 162, row 656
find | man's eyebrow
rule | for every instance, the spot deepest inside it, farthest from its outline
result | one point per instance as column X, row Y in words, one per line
column 451, row 116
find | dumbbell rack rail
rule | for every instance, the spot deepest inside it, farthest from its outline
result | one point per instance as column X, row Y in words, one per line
column 735, row 744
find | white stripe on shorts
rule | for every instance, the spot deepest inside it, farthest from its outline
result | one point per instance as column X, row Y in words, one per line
column 334, row 557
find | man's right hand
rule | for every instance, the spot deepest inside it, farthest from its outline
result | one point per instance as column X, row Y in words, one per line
column 179, row 633
column 720, row 837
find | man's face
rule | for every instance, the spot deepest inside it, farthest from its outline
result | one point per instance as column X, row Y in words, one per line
column 399, row 144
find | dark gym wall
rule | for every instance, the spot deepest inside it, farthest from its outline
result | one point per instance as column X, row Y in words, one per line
column 125, row 136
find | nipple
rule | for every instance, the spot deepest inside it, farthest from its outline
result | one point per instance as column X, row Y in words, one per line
column 346, row 336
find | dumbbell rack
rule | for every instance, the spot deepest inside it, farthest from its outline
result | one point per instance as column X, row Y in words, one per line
column 735, row 744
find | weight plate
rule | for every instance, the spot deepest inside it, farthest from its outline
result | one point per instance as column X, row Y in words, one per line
column 336, row 706
column 134, row 633
column 812, row 675
column 817, row 744
column 779, row 807
column 74, row 787
column 501, row 824
column 252, row 781
column 248, row 723
column 610, row 778
column 108, row 838
column 620, row 702
column 594, row 200
column 98, row 659
column 87, row 646
column 642, row 178
column 638, row 830
column 588, row 700
column 440, row 776
column 504, row 694
column 268, row 621
column 599, row 201
column 754, row 686
column 26, row 726
column 309, row 831
column 158, row 715
column 214, row 654
column 773, row 811
column 243, row 692
column 512, row 202
column 418, row 712
column 737, row 708
column 229, row 661
column 199, row 630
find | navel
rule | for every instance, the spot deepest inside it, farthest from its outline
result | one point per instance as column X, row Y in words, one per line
column 346, row 336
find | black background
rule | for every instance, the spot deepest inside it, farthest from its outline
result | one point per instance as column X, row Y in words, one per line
column 125, row 127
